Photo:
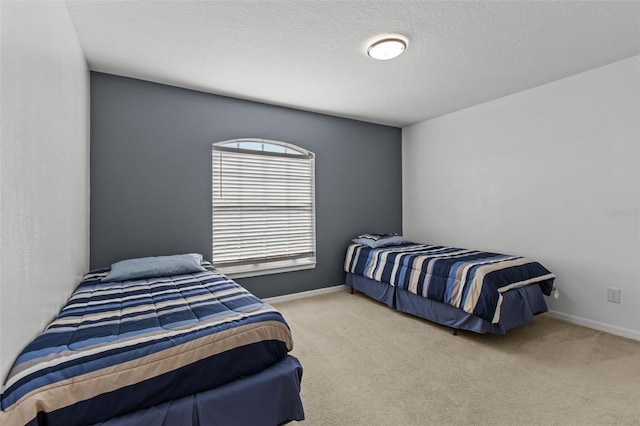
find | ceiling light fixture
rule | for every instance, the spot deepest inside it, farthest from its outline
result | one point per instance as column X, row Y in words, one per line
column 388, row 47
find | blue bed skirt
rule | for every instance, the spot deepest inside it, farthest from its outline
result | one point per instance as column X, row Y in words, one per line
column 381, row 292
column 269, row 398
column 518, row 307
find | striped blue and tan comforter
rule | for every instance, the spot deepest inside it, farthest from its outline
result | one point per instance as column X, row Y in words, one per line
column 471, row 280
column 121, row 346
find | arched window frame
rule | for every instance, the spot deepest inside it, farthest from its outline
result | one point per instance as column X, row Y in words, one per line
column 239, row 250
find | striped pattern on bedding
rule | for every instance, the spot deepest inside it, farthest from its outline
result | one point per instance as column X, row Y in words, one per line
column 471, row 280
column 128, row 345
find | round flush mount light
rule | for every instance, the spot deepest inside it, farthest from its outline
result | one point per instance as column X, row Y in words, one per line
column 387, row 47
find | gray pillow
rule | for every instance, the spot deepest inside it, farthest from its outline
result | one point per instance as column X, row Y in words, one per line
column 159, row 266
column 380, row 240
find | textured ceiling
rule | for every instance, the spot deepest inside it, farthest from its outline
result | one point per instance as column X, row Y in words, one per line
column 311, row 55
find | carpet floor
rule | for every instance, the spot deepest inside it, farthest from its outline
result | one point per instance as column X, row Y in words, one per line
column 366, row 364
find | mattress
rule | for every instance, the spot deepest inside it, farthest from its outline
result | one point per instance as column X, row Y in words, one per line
column 471, row 280
column 119, row 347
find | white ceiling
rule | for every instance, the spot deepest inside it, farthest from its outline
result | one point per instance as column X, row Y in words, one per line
column 311, row 55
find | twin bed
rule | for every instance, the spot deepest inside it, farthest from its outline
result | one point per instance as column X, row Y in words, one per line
column 464, row 289
column 176, row 348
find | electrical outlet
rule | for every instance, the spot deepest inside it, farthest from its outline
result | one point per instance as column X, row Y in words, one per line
column 613, row 295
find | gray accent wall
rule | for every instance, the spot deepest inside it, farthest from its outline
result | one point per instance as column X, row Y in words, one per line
column 151, row 174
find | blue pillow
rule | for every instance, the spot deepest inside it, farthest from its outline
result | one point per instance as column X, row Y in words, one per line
column 380, row 240
column 159, row 266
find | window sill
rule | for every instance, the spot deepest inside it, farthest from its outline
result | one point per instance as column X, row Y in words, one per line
column 268, row 268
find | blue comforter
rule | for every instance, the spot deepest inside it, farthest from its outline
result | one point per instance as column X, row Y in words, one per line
column 118, row 347
column 467, row 279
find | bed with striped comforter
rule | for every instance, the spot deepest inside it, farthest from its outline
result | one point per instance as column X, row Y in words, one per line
column 118, row 347
column 471, row 280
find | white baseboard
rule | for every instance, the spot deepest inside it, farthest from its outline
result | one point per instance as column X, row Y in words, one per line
column 596, row 325
column 304, row 294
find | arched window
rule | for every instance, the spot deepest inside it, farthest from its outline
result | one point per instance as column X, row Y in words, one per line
column 263, row 197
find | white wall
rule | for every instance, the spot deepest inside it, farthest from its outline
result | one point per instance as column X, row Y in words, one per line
column 549, row 173
column 44, row 164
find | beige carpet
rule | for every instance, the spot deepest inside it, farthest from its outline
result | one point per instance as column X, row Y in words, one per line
column 365, row 364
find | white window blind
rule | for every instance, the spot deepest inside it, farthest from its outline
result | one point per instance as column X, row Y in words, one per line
column 263, row 207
